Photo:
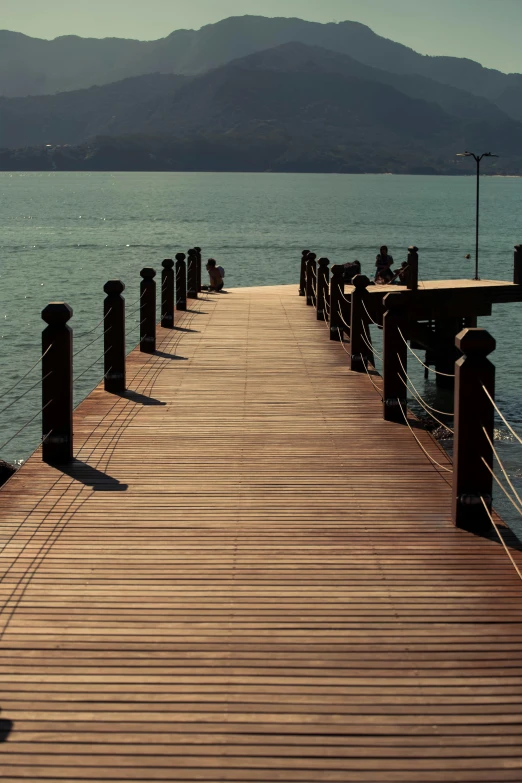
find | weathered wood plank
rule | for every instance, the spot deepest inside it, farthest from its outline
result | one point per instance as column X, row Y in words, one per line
column 249, row 576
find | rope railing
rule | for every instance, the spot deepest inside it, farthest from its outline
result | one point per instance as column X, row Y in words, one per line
column 437, row 372
column 418, row 397
column 369, row 316
column 342, row 341
column 366, row 340
column 370, row 377
column 339, row 313
column 433, row 461
column 502, row 468
column 508, row 425
column 490, row 515
column 500, row 484
column 348, row 300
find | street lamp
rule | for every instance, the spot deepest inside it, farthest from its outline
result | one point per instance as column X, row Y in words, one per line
column 478, row 158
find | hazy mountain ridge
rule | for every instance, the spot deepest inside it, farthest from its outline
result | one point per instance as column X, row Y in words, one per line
column 29, row 65
column 292, row 108
column 161, row 104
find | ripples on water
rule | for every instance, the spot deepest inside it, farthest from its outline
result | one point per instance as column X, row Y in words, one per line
column 65, row 234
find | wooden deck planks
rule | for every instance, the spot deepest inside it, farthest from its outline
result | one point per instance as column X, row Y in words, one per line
column 249, row 576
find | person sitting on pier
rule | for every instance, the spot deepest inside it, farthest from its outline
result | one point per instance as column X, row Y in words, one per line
column 351, row 268
column 383, row 262
column 216, row 274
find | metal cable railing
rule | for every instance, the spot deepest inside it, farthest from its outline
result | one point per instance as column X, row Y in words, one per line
column 92, row 365
column 81, row 350
column 19, row 381
column 85, row 334
column 21, row 396
column 7, row 442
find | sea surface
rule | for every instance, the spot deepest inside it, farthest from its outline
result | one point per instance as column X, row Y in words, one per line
column 63, row 235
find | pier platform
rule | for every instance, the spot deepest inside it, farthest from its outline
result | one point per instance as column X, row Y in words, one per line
column 248, row 575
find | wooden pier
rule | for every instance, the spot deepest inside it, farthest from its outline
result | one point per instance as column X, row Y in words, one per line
column 248, row 575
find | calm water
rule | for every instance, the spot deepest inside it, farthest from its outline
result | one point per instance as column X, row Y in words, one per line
column 64, row 234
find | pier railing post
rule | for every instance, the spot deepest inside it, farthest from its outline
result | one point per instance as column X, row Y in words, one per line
column 198, row 269
column 310, row 278
column 114, row 337
column 336, row 300
column 359, row 326
column 517, row 268
column 192, row 274
column 474, row 419
column 395, row 358
column 181, row 282
column 302, row 276
column 148, row 311
column 57, row 385
column 167, row 294
column 322, row 287
column 412, row 272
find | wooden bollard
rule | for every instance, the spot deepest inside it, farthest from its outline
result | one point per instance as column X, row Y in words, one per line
column 474, row 413
column 322, row 284
column 57, row 385
column 181, row 282
column 114, row 337
column 412, row 272
column 517, row 268
column 148, row 311
column 198, row 268
column 395, row 354
column 311, row 272
column 336, row 302
column 167, row 294
column 192, row 274
column 359, row 326
column 302, row 276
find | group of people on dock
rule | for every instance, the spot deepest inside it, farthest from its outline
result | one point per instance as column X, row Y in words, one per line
column 384, row 274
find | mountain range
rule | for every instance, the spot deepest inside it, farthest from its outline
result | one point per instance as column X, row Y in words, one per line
column 252, row 93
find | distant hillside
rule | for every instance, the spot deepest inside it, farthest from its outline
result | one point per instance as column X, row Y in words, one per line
column 33, row 66
column 293, row 108
column 148, row 103
column 74, row 117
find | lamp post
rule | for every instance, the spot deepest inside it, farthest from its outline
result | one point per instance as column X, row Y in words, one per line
column 477, row 158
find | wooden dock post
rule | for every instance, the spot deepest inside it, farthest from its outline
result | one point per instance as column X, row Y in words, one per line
column 322, row 288
column 192, row 274
column 148, row 311
column 311, row 273
column 198, row 269
column 336, row 301
column 395, row 352
column 302, row 276
column 57, row 385
column 114, row 337
column 167, row 294
column 412, row 272
column 474, row 417
column 359, row 331
column 181, row 282
column 517, row 270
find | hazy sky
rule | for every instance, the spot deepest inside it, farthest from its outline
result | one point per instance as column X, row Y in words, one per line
column 484, row 30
